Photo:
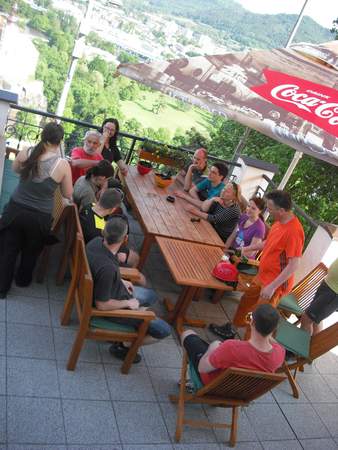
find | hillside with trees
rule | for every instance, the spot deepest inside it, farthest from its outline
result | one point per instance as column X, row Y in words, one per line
column 234, row 22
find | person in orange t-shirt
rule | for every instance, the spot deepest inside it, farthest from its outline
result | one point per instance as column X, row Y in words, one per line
column 280, row 259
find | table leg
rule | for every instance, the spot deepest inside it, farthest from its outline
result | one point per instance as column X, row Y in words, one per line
column 178, row 316
column 147, row 241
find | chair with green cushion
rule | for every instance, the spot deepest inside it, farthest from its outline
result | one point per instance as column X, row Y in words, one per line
column 305, row 347
column 303, row 293
column 232, row 388
column 96, row 324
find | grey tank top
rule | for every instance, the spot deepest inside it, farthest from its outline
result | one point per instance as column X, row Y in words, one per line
column 38, row 192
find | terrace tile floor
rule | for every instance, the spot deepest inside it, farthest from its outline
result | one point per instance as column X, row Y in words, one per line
column 43, row 406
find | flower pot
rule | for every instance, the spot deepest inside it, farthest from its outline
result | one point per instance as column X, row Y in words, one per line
column 144, row 167
column 162, row 181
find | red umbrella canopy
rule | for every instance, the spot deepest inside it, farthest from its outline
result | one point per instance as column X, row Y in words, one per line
column 288, row 94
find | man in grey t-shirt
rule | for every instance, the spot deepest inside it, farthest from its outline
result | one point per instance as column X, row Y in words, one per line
column 194, row 172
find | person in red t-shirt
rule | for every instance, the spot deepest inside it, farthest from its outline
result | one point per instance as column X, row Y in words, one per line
column 260, row 352
column 280, row 259
column 86, row 157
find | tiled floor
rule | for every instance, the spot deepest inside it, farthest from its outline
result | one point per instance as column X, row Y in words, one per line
column 43, row 406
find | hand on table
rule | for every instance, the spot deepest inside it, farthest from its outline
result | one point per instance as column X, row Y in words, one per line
column 124, row 171
column 192, row 209
column 180, row 194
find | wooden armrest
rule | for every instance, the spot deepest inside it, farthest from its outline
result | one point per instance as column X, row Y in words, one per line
column 127, row 313
column 129, row 273
column 237, row 259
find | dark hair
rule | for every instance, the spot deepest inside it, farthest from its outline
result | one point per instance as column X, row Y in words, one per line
column 52, row 133
column 265, row 318
column 115, row 230
column 281, row 199
column 113, row 139
column 222, row 169
column 261, row 205
column 102, row 169
column 110, row 198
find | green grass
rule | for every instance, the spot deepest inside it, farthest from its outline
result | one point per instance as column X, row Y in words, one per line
column 170, row 116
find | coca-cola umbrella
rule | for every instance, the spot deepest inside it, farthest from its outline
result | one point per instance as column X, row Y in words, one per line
column 288, row 94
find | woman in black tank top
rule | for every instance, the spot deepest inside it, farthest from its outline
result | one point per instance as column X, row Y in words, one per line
column 27, row 217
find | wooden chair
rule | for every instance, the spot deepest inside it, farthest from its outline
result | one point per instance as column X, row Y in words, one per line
column 306, row 348
column 61, row 212
column 303, row 293
column 93, row 322
column 231, row 389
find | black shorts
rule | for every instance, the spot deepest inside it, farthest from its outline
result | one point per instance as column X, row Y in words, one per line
column 323, row 305
column 195, row 347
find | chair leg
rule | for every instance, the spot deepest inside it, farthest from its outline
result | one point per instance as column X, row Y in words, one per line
column 234, row 426
column 292, row 380
column 142, row 331
column 76, row 349
column 68, row 306
column 180, row 406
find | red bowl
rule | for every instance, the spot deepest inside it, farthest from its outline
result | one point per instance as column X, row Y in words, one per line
column 143, row 170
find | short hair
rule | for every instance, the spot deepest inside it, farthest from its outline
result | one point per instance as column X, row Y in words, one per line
column 281, row 199
column 93, row 133
column 265, row 318
column 202, row 150
column 110, row 198
column 222, row 169
column 115, row 230
column 102, row 169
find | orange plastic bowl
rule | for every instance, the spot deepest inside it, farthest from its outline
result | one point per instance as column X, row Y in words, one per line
column 162, row 183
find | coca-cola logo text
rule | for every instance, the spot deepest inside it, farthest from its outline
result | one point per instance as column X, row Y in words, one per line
column 291, row 93
column 313, row 102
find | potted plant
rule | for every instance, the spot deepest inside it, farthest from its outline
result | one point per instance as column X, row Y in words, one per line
column 161, row 154
column 144, row 167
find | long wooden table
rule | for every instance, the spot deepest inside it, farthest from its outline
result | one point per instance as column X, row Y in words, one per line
column 158, row 217
column 191, row 265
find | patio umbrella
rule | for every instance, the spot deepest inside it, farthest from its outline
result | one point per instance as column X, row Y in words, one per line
column 288, row 94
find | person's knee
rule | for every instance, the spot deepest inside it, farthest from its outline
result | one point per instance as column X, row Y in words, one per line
column 185, row 334
column 146, row 297
column 159, row 329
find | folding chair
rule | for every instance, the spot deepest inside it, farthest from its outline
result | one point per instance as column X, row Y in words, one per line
column 305, row 347
column 95, row 324
column 230, row 389
column 303, row 293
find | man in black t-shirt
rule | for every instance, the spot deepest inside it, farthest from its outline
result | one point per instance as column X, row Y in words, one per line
column 93, row 218
column 111, row 292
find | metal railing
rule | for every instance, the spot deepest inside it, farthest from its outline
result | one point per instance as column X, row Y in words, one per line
column 24, row 126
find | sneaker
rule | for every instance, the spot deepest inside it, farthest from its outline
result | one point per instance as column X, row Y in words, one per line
column 189, row 387
column 120, row 351
column 226, row 331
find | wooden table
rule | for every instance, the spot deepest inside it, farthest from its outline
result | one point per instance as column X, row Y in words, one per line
column 191, row 265
column 158, row 217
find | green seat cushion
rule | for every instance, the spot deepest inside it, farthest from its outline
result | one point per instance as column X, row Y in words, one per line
column 247, row 269
column 293, row 338
column 194, row 377
column 289, row 303
column 107, row 324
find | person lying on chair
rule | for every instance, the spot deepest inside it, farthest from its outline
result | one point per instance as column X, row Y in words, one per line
column 260, row 352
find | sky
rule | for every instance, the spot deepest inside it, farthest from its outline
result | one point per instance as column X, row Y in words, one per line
column 322, row 11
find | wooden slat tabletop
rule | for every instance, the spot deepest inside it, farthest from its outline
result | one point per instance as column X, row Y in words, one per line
column 161, row 218
column 191, row 263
